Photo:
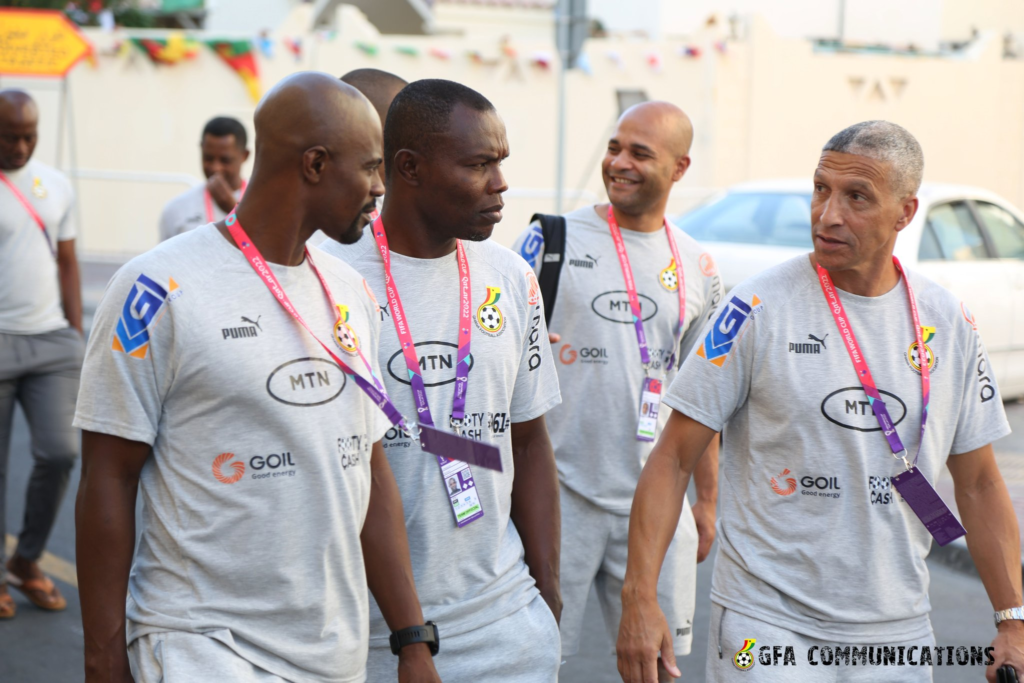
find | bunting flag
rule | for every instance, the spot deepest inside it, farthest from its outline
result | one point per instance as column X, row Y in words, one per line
column 440, row 53
column 367, row 48
column 542, row 59
column 176, row 48
column 239, row 55
column 294, row 45
column 407, row 50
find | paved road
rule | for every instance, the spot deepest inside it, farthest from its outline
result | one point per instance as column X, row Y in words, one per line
column 47, row 648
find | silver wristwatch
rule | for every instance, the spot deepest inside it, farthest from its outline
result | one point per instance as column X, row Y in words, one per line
column 1012, row 613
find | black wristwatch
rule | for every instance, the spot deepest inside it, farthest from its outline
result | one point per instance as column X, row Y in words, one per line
column 417, row 634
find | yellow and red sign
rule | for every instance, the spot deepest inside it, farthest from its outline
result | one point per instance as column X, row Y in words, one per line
column 39, row 43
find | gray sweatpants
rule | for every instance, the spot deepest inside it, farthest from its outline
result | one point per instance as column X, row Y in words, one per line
column 521, row 648
column 731, row 630
column 40, row 372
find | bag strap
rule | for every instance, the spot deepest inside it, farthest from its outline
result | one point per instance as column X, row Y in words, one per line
column 553, row 229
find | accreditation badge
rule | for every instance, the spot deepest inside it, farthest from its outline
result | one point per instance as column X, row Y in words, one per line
column 923, row 499
column 650, row 403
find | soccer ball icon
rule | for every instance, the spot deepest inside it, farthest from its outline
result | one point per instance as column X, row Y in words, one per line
column 490, row 318
column 743, row 660
column 669, row 280
column 915, row 356
column 346, row 338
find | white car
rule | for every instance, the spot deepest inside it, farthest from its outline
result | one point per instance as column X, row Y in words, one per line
column 967, row 239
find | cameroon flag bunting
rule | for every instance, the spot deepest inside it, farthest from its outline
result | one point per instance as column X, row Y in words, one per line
column 240, row 56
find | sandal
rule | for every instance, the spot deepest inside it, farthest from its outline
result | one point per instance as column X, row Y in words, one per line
column 7, row 607
column 40, row 592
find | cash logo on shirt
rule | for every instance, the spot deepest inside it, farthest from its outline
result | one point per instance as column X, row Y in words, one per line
column 142, row 310
column 719, row 341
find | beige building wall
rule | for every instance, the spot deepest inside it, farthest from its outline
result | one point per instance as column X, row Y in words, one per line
column 761, row 109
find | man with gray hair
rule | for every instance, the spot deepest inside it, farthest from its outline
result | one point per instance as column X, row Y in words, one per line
column 823, row 533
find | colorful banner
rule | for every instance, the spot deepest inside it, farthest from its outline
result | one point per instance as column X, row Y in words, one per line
column 239, row 55
column 39, row 43
column 176, row 48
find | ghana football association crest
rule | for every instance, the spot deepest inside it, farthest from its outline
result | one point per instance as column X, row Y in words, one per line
column 669, row 278
column 744, row 658
column 914, row 354
column 489, row 317
column 344, row 336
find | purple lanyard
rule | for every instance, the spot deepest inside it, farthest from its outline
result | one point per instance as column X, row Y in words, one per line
column 634, row 299
column 412, row 361
column 860, row 364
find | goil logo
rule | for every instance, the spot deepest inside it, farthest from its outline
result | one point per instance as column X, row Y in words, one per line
column 567, row 355
column 744, row 657
column 238, row 467
column 789, row 481
column 533, row 292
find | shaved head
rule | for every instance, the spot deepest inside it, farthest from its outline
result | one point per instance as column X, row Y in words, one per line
column 318, row 141
column 667, row 123
column 19, row 120
column 647, row 154
column 380, row 87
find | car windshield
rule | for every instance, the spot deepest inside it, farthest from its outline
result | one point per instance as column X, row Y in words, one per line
column 775, row 218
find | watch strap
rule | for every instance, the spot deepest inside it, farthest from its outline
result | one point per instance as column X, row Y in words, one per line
column 412, row 635
column 1015, row 613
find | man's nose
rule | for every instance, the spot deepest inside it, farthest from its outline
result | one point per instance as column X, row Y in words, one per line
column 498, row 183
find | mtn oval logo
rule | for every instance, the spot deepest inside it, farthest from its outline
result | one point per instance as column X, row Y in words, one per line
column 614, row 307
column 849, row 408
column 438, row 361
column 306, row 382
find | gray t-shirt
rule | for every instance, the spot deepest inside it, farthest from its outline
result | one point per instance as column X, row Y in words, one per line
column 258, row 486
column 812, row 535
column 598, row 359
column 187, row 212
column 471, row 576
column 30, row 300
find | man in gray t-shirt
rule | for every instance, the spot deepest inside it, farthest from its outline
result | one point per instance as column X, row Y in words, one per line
column 268, row 505
column 41, row 342
column 485, row 555
column 818, row 545
column 601, row 370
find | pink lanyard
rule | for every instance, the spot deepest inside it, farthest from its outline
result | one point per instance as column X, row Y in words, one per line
column 376, row 390
column 412, row 362
column 208, row 200
column 860, row 364
column 634, row 300
column 31, row 210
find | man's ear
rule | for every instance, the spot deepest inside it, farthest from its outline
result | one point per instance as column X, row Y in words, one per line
column 314, row 162
column 682, row 163
column 910, row 205
column 407, row 165
column 245, row 156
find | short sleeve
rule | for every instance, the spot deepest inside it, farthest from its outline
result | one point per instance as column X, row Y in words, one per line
column 711, row 297
column 68, row 228
column 530, row 245
column 536, row 384
column 982, row 419
column 714, row 380
column 130, row 359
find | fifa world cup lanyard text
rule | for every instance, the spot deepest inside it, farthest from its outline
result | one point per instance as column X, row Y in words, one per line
column 650, row 393
column 456, row 477
column 208, row 201
column 31, row 211
column 911, row 484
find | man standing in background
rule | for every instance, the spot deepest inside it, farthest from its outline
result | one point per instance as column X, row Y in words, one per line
column 224, row 147
column 40, row 340
column 605, row 428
